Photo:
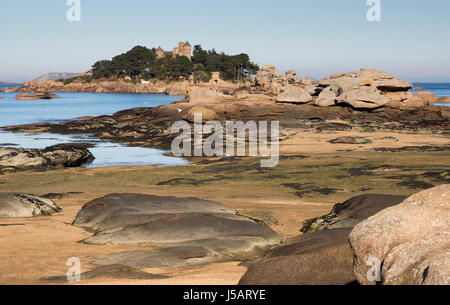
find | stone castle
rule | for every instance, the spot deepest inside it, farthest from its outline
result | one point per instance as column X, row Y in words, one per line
column 183, row 49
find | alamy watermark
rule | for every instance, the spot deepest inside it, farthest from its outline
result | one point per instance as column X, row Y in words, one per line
column 374, row 12
column 238, row 139
column 374, row 273
column 74, row 12
column 74, row 272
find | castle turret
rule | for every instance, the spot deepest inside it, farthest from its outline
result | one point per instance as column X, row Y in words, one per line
column 183, row 49
column 159, row 52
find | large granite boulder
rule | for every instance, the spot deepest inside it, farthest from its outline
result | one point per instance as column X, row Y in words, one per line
column 62, row 155
column 294, row 94
column 25, row 205
column 365, row 89
column 412, row 103
column 444, row 100
column 291, row 76
column 429, row 97
column 351, row 212
column 175, row 222
column 365, row 97
column 409, row 242
column 307, row 81
column 200, row 95
column 206, row 113
column 320, row 258
column 398, row 96
column 383, row 81
column 269, row 80
column 408, row 101
column 326, row 98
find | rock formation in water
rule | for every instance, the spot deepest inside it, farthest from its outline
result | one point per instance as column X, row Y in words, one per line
column 36, row 96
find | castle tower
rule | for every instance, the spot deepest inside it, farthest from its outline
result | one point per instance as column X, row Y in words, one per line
column 183, row 49
column 159, row 52
column 187, row 50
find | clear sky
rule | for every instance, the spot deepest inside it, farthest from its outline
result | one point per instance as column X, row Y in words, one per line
column 315, row 37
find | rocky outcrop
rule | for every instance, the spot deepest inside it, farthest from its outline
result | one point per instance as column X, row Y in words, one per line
column 327, row 98
column 307, row 81
column 382, row 81
column 36, row 96
column 444, row 100
column 320, row 258
column 428, row 97
column 351, row 212
column 291, row 76
column 409, row 242
column 371, row 89
column 269, row 80
column 200, row 95
column 365, row 98
column 63, row 155
column 25, row 205
column 206, row 113
column 213, row 232
column 294, row 94
column 366, row 89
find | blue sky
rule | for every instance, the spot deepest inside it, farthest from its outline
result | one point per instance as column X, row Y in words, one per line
column 315, row 37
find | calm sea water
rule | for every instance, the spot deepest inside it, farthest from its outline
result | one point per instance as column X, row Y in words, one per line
column 72, row 105
column 440, row 89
